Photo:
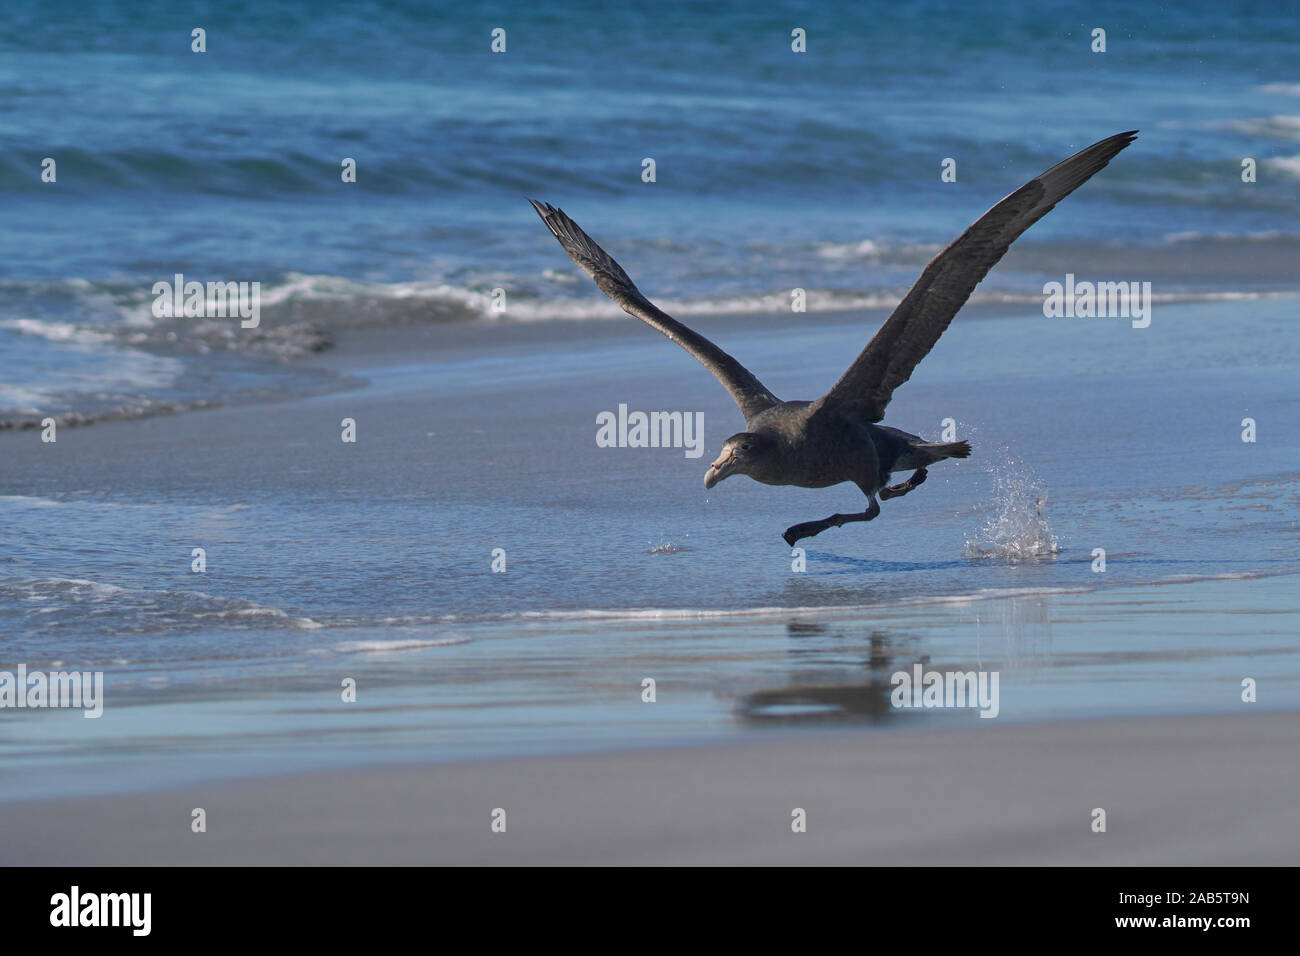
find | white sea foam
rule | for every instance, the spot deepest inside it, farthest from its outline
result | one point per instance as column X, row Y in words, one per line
column 24, row 401
column 30, row 500
column 524, row 309
column 300, row 310
column 399, row 644
column 1284, row 126
column 74, row 599
column 1287, row 165
column 96, row 370
column 1192, row 235
column 874, row 249
column 656, row 614
column 64, row 332
column 866, row 249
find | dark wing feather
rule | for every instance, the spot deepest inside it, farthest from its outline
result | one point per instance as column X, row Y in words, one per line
column 947, row 282
column 747, row 391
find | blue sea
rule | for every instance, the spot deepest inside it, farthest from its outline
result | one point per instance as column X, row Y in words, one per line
column 773, row 170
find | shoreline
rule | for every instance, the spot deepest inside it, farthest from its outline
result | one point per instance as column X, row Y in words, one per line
column 328, row 560
column 333, row 370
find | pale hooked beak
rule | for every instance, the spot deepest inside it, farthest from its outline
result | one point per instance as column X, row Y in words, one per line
column 720, row 469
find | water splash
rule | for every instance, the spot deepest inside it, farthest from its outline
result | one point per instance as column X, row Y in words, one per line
column 1017, row 530
column 664, row 547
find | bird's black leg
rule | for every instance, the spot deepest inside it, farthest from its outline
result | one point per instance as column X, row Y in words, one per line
column 897, row 491
column 810, row 528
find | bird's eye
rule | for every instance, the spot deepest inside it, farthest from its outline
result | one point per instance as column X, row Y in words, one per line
column 745, row 446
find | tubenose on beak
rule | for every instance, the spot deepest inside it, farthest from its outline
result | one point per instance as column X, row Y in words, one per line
column 719, row 469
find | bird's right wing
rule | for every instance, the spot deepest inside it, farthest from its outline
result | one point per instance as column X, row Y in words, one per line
column 746, row 390
column 915, row 326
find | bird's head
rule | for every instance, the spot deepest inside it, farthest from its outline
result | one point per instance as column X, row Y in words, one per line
column 745, row 453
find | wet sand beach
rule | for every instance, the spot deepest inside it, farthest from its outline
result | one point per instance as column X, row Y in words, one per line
column 1181, row 791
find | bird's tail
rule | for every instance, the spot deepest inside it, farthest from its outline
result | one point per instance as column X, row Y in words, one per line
column 928, row 452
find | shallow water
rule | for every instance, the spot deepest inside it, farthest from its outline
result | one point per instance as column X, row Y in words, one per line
column 1136, row 450
column 373, row 561
column 567, row 683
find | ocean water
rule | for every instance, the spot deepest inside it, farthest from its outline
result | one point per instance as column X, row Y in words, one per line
column 774, row 170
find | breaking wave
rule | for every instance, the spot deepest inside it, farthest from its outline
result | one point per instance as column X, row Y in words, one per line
column 55, row 604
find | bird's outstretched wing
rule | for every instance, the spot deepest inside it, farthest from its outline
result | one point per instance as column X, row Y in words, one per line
column 947, row 282
column 747, row 391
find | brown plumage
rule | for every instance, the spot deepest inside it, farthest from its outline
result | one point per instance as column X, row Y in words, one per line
column 836, row 438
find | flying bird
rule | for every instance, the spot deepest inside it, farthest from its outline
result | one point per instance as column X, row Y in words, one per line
column 837, row 438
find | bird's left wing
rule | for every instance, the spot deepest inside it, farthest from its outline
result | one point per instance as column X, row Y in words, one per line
column 747, row 391
column 915, row 326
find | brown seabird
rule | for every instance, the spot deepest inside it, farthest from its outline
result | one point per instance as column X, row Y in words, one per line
column 836, row 438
